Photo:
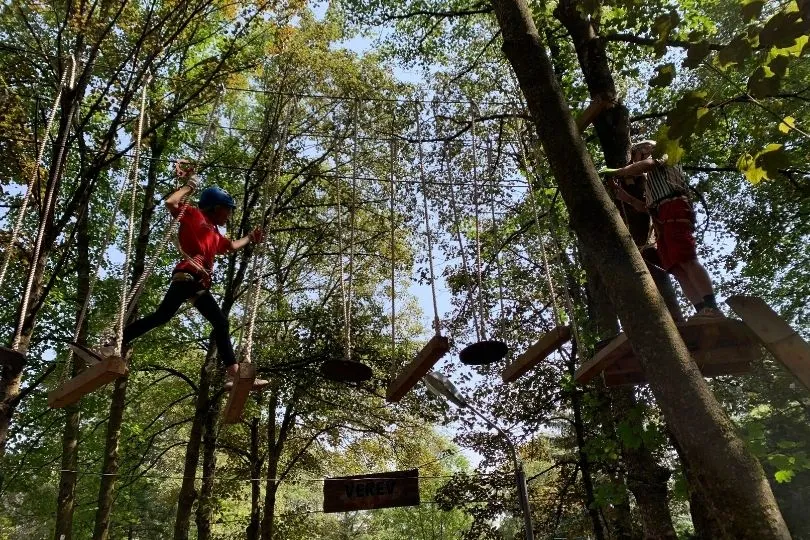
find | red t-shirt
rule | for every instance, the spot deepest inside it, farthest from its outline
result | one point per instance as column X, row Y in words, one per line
column 200, row 240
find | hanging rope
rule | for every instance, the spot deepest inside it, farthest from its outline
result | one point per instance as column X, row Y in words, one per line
column 344, row 303
column 258, row 256
column 496, row 236
column 482, row 315
column 393, row 189
column 56, row 167
column 534, row 206
column 136, row 290
column 457, row 225
column 15, row 232
column 436, row 321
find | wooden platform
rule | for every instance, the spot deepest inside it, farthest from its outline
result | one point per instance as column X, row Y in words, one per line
column 419, row 366
column 719, row 346
column 548, row 343
column 775, row 334
column 242, row 386
column 90, row 379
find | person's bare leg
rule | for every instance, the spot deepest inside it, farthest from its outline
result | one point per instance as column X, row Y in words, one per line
column 698, row 277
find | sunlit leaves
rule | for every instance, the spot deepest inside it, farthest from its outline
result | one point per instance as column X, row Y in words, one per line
column 787, row 124
column 663, row 27
column 664, row 75
column 764, row 165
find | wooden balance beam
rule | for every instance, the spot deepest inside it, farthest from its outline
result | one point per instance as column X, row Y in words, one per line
column 418, row 368
column 719, row 346
column 778, row 337
column 242, row 386
column 548, row 342
column 89, row 380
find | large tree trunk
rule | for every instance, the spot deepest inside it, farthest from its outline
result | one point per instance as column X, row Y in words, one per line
column 66, row 498
column 205, row 507
column 727, row 471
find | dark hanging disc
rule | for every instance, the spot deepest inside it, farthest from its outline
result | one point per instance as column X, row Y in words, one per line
column 483, row 352
column 10, row 357
column 345, row 371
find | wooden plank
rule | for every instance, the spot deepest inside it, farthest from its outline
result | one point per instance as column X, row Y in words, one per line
column 617, row 348
column 368, row 491
column 242, row 385
column 783, row 342
column 419, row 366
column 87, row 381
column 549, row 342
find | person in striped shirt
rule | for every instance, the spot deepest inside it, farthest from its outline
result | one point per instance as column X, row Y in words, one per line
column 666, row 198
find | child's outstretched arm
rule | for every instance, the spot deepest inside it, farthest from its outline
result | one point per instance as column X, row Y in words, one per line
column 174, row 200
column 255, row 236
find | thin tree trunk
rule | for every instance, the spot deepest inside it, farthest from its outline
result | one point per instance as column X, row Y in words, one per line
column 730, row 475
column 252, row 531
column 271, row 483
column 66, row 498
column 205, row 507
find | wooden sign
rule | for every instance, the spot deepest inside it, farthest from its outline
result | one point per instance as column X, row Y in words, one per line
column 368, row 491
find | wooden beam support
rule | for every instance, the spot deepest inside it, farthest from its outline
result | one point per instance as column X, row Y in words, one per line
column 242, row 385
column 778, row 336
column 418, row 368
column 87, row 381
column 607, row 355
column 548, row 343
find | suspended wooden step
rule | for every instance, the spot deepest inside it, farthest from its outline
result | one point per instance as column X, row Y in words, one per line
column 418, row 368
column 242, row 385
column 10, row 357
column 783, row 342
column 90, row 379
column 719, row 346
column 345, row 370
column 548, row 343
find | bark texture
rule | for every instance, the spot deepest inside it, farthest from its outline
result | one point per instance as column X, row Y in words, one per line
column 729, row 474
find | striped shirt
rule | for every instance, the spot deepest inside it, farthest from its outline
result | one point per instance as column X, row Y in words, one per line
column 664, row 181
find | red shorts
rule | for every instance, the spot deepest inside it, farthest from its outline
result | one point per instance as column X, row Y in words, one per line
column 674, row 228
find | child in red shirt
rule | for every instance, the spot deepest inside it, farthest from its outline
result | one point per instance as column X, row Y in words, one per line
column 199, row 241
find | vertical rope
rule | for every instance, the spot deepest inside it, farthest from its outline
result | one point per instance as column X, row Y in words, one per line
column 56, row 167
column 495, row 235
column 15, row 232
column 465, row 267
column 346, row 342
column 131, row 221
column 534, row 206
column 436, row 321
column 352, row 227
column 477, row 231
column 135, row 291
column 391, row 217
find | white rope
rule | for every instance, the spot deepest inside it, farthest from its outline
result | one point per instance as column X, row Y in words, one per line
column 477, row 232
column 462, row 248
column 495, row 230
column 436, row 321
column 352, row 227
column 15, row 232
column 136, row 290
column 346, row 340
column 56, row 167
column 392, row 160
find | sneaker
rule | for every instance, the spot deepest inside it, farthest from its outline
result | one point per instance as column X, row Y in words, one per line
column 708, row 313
column 258, row 385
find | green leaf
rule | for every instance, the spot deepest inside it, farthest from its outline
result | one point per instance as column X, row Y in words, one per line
column 669, row 148
column 772, row 159
column 747, row 165
column 735, row 52
column 751, row 9
column 664, row 76
column 663, row 27
column 696, row 54
column 763, row 82
column 784, row 476
column 782, row 30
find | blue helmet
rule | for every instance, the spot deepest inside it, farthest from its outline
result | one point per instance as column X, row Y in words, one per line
column 213, row 196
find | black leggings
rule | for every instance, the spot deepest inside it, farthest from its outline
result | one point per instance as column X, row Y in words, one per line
column 179, row 292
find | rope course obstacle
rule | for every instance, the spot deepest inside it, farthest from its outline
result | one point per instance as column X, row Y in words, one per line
column 438, row 345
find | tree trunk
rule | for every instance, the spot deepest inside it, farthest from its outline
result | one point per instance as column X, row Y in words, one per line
column 205, row 507
column 727, row 471
column 252, row 531
column 118, row 402
column 188, row 493
column 66, row 498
